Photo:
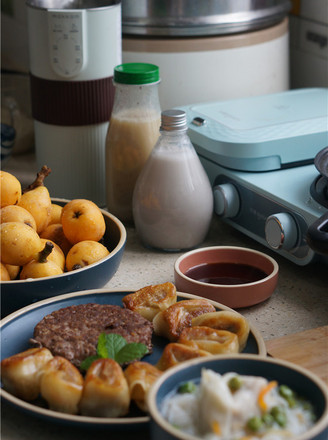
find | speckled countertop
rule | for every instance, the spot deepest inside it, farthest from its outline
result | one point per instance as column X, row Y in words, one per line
column 300, row 302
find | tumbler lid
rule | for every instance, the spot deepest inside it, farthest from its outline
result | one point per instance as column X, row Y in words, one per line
column 136, row 73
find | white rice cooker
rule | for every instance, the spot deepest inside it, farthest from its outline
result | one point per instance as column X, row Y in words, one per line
column 209, row 50
column 74, row 46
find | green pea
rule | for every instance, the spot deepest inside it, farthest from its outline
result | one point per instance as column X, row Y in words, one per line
column 176, row 426
column 235, row 383
column 267, row 419
column 307, row 406
column 285, row 391
column 281, row 419
column 288, row 394
column 187, row 387
column 291, row 401
column 254, row 423
column 279, row 415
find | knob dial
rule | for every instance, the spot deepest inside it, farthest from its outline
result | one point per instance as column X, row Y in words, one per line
column 281, row 231
column 226, row 200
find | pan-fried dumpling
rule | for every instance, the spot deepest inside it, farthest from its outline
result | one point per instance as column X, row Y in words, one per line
column 150, row 300
column 105, row 391
column 174, row 353
column 140, row 376
column 226, row 320
column 209, row 339
column 61, row 385
column 170, row 322
column 21, row 373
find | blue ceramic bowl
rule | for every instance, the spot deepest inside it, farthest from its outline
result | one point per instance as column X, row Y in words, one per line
column 299, row 379
column 20, row 293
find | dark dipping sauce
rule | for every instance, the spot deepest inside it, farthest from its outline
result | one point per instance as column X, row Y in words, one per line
column 225, row 273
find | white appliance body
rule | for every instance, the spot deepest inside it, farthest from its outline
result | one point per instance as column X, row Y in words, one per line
column 73, row 53
column 204, row 69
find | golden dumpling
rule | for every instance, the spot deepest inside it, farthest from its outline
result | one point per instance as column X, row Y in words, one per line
column 150, row 300
column 226, row 320
column 140, row 377
column 174, row 353
column 61, row 385
column 21, row 373
column 212, row 340
column 105, row 391
column 170, row 322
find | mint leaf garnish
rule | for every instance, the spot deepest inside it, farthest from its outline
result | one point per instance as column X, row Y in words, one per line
column 88, row 361
column 114, row 346
column 129, row 352
column 109, row 345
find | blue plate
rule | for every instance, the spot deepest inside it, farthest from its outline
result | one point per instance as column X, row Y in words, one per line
column 17, row 328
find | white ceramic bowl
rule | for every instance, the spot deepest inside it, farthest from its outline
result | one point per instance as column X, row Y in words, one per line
column 235, row 259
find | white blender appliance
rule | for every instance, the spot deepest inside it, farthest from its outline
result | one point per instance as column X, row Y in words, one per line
column 74, row 46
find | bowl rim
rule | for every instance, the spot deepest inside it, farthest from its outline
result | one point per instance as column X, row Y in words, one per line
column 270, row 276
column 117, row 248
column 157, row 418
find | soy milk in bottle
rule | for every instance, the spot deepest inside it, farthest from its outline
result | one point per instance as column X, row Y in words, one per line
column 132, row 133
column 173, row 199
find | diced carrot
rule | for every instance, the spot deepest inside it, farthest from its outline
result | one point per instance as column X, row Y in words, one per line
column 216, row 427
column 263, row 392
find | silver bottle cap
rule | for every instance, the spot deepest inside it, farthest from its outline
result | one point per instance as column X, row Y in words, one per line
column 173, row 120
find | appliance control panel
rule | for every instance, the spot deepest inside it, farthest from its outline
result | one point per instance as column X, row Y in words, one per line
column 66, row 39
column 267, row 221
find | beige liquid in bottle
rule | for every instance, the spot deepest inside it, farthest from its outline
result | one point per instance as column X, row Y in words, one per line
column 131, row 137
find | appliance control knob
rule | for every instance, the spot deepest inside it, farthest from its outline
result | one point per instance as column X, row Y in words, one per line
column 226, row 200
column 281, row 231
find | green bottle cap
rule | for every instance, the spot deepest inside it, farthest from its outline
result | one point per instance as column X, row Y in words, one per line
column 136, row 73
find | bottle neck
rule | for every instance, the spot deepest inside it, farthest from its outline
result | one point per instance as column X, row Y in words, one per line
column 129, row 96
column 174, row 133
column 176, row 140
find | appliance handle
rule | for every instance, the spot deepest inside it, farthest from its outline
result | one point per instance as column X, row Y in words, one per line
column 317, row 235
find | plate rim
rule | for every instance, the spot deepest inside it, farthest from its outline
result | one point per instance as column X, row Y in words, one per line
column 88, row 420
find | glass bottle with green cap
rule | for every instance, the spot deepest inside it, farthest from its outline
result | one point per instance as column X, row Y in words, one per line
column 132, row 133
column 173, row 198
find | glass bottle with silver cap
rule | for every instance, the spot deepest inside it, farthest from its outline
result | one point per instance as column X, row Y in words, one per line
column 173, row 199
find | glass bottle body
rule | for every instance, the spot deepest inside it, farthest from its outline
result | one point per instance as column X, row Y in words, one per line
column 132, row 133
column 173, row 199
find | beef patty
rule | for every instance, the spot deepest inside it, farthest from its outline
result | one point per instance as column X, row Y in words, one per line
column 72, row 332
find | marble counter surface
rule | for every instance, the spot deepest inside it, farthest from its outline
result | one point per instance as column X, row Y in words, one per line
column 299, row 302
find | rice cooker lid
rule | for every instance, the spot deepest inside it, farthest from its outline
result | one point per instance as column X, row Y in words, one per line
column 177, row 18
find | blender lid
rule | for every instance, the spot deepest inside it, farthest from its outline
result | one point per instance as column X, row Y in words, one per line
column 261, row 133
